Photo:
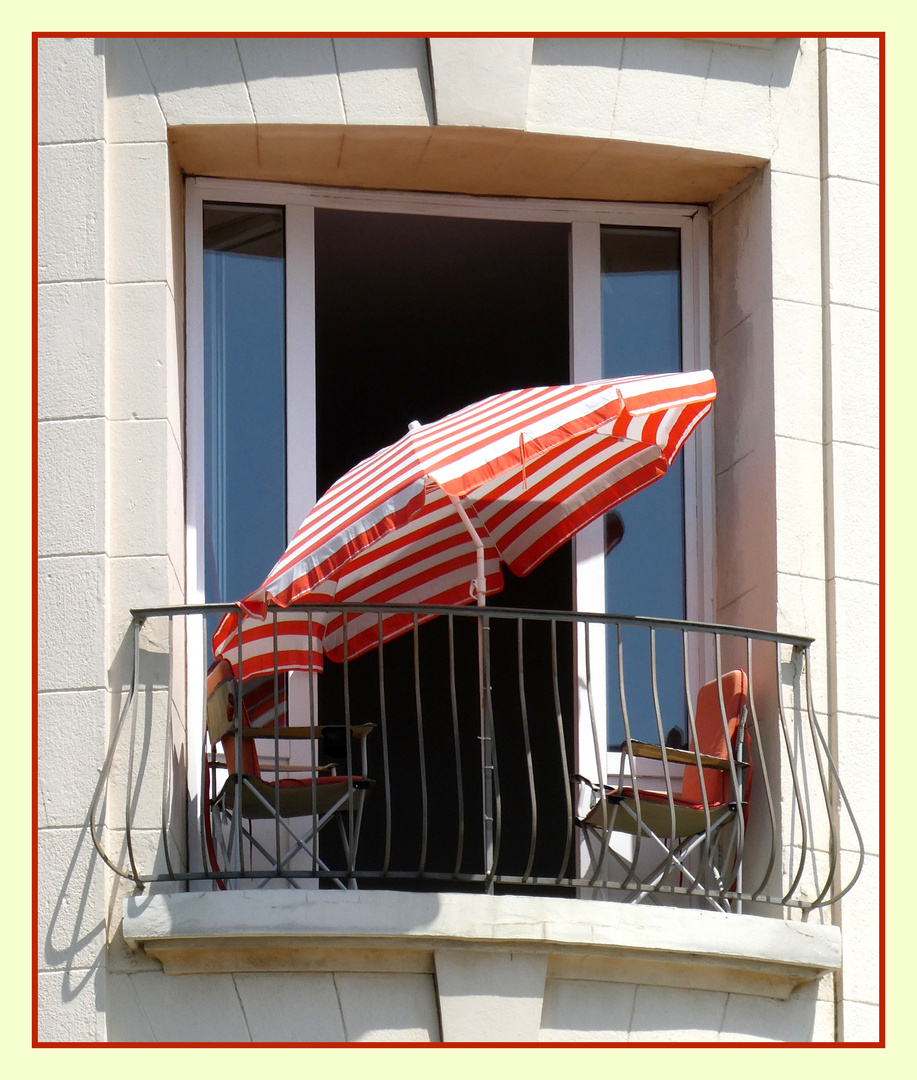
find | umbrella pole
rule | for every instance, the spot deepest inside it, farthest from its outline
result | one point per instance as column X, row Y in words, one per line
column 487, row 766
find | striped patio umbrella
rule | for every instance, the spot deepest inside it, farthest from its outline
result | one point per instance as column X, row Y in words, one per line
column 432, row 518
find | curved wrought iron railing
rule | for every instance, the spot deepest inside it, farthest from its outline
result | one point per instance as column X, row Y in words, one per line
column 506, row 751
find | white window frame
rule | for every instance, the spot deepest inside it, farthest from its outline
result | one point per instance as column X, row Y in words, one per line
column 585, row 219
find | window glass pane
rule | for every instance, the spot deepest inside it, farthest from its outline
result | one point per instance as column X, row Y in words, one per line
column 644, row 536
column 245, row 426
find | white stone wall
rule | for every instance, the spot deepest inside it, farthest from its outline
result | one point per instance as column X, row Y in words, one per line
column 795, row 280
column 850, row 199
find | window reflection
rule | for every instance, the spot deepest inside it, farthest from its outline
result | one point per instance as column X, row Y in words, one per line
column 245, row 423
column 644, row 536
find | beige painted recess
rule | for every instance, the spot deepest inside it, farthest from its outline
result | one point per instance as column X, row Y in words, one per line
column 476, row 161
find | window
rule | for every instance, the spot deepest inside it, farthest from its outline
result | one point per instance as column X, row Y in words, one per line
column 321, row 323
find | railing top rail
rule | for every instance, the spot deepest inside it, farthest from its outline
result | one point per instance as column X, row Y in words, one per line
column 610, row 618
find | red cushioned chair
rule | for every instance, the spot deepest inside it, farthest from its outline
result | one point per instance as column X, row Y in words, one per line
column 235, row 773
column 693, row 820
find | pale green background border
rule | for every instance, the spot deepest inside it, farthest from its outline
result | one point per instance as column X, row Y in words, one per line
column 16, row 439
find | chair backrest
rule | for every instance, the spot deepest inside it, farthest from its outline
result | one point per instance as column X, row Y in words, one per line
column 712, row 739
column 221, row 706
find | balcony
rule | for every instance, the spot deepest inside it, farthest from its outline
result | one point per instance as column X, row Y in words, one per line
column 477, row 762
column 508, row 806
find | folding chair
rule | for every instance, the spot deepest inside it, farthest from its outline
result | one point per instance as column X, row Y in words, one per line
column 245, row 796
column 714, row 787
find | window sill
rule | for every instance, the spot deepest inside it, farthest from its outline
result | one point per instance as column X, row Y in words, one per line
column 407, row 932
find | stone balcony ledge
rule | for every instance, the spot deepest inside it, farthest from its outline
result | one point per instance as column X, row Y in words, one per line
column 378, row 931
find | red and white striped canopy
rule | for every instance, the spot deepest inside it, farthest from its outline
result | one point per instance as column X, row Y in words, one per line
column 530, row 468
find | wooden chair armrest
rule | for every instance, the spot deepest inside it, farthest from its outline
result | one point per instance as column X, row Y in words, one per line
column 358, row 731
column 680, row 757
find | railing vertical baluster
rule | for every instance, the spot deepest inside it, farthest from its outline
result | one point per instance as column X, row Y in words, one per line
column 129, row 785
column 348, row 751
column 842, row 796
column 628, row 742
column 533, row 799
column 386, row 775
column 313, row 738
column 418, row 705
column 237, row 746
column 167, row 763
column 660, row 732
column 490, row 733
column 762, row 766
column 693, row 741
column 833, row 843
column 795, row 780
column 562, row 747
column 456, row 742
column 601, row 753
column 275, row 658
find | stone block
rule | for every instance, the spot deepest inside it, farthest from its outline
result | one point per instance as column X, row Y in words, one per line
column 71, row 337
column 858, row 763
column 800, row 508
column 660, row 90
column 747, row 534
column 496, row 992
column 867, row 46
column 481, row 82
column 856, row 511
column 741, row 257
column 797, row 135
column 798, row 371
column 739, row 99
column 71, row 622
column 292, row 80
column 860, row 928
column 861, row 1022
column 71, row 90
column 139, row 582
column 197, row 80
column 132, row 112
column 141, row 498
column 667, row 1014
column 139, row 229
column 387, row 1007
column 853, row 116
column 744, row 413
column 71, row 900
column 854, row 375
column 70, row 1006
column 796, row 237
column 853, row 243
column 573, row 84
column 72, row 727
column 70, row 212
column 71, row 482
column 855, row 609
column 385, row 80
column 753, row 1019
column 152, row 1007
column 580, row 1010
column 291, row 1007
column 801, row 603
column 139, row 353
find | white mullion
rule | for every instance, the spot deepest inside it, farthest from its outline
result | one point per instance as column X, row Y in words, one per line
column 299, row 251
column 698, row 458
column 300, row 364
column 195, row 510
column 589, row 543
column 672, row 215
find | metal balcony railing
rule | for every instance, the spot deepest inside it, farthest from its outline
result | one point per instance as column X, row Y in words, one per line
column 490, row 749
